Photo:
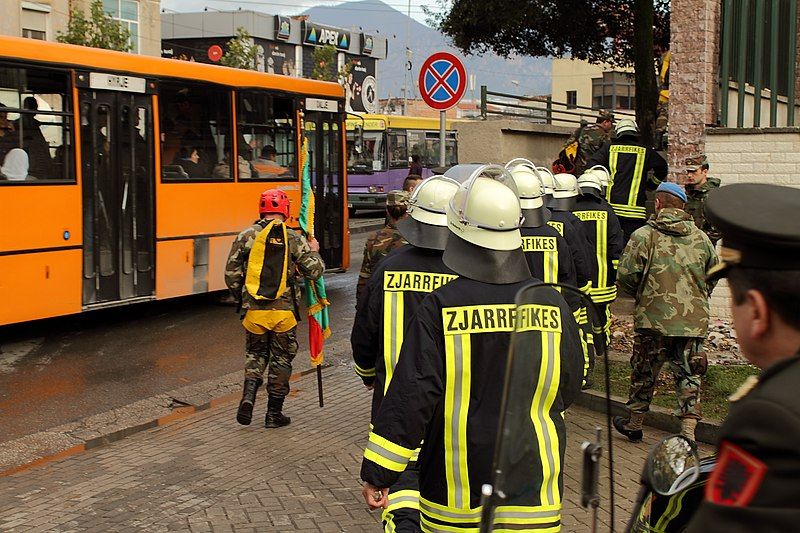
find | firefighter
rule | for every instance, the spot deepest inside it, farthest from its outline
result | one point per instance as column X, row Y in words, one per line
column 546, row 251
column 605, row 236
column 448, row 383
column 604, row 176
column 391, row 298
column 629, row 163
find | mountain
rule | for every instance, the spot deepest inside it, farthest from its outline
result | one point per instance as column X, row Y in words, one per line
column 516, row 75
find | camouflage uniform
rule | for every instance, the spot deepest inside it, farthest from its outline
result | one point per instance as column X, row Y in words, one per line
column 697, row 201
column 664, row 267
column 271, row 325
column 590, row 139
column 380, row 243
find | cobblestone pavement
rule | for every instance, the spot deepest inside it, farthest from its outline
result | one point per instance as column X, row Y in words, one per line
column 207, row 473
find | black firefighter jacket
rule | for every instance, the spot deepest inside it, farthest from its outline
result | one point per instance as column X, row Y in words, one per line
column 447, row 390
column 604, row 232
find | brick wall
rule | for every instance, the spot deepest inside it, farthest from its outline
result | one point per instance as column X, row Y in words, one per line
column 751, row 156
column 693, row 84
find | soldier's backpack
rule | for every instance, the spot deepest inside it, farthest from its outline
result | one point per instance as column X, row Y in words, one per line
column 565, row 163
column 267, row 263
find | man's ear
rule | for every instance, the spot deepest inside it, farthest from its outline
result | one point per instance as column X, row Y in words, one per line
column 760, row 314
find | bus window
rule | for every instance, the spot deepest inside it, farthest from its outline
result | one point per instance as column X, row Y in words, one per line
column 371, row 159
column 266, row 135
column 416, row 145
column 35, row 126
column 196, row 133
column 398, row 152
column 432, row 149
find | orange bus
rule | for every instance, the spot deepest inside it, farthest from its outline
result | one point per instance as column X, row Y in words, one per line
column 125, row 178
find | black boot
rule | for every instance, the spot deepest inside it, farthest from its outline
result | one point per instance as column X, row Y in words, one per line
column 630, row 427
column 274, row 418
column 245, row 413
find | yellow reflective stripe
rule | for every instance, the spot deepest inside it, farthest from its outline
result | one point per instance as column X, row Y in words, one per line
column 364, row 372
column 615, row 263
column 393, row 327
column 612, row 170
column 388, row 521
column 601, row 249
column 544, row 427
column 403, row 499
column 674, row 507
column 638, row 170
column 629, row 211
column 387, row 454
column 458, row 360
column 462, row 520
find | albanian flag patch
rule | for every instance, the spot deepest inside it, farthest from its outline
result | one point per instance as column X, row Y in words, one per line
column 736, row 478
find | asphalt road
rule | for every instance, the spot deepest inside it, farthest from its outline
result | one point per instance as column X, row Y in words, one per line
column 65, row 369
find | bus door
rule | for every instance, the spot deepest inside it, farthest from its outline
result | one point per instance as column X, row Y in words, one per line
column 117, row 173
column 324, row 134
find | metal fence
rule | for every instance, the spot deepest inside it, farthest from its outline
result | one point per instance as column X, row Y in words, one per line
column 539, row 109
column 758, row 63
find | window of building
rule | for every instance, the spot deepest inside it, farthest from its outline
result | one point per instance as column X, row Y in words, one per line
column 572, row 99
column 34, row 20
column 266, row 136
column 35, row 126
column 196, row 132
column 127, row 13
column 614, row 90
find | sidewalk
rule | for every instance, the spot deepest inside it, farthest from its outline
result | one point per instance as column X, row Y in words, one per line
column 207, row 473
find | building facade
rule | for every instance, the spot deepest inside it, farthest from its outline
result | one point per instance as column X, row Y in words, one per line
column 580, row 85
column 284, row 45
column 45, row 19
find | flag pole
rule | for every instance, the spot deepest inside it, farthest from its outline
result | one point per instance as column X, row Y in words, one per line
column 319, row 386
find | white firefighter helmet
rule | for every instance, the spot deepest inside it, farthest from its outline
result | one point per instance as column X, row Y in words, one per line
column 626, row 125
column 426, row 225
column 589, row 182
column 485, row 210
column 601, row 172
column 547, row 179
column 565, row 186
column 529, row 184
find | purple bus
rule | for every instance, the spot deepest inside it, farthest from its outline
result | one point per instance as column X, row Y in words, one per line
column 389, row 142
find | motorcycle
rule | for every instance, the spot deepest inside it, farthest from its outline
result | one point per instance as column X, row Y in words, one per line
column 673, row 477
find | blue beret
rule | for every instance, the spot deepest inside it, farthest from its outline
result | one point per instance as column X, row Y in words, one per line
column 674, row 189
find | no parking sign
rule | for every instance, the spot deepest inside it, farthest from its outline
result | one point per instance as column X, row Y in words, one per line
column 442, row 81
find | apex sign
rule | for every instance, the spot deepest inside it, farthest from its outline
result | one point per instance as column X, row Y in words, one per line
column 319, row 35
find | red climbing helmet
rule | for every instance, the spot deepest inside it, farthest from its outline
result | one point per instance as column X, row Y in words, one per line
column 274, row 201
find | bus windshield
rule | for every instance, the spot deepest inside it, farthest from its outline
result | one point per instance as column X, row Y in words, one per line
column 371, row 159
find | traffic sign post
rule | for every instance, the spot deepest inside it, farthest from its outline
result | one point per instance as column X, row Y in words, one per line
column 442, row 83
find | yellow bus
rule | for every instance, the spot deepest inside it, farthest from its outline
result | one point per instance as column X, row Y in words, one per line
column 389, row 144
column 125, row 178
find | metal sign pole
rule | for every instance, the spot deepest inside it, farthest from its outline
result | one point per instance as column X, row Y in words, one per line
column 442, row 151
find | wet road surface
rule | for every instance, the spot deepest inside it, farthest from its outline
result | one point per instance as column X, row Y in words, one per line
column 65, row 369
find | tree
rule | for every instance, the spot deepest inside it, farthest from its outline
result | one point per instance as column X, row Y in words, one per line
column 620, row 32
column 98, row 31
column 325, row 60
column 241, row 51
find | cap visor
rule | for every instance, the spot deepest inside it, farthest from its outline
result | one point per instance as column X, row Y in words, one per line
column 718, row 271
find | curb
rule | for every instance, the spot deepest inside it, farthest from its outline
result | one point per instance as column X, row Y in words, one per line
column 179, row 413
column 658, row 417
column 366, row 228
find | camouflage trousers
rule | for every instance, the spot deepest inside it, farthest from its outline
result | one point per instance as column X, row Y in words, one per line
column 687, row 362
column 274, row 351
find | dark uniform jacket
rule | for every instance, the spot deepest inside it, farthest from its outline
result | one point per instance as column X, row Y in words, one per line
column 391, row 298
column 378, row 246
column 756, row 483
column 602, row 228
column 629, row 163
column 570, row 227
column 550, row 259
column 447, row 390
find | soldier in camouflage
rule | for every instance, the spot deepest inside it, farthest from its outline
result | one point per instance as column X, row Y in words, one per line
column 590, row 139
column 698, row 185
column 664, row 268
column 271, row 325
column 383, row 241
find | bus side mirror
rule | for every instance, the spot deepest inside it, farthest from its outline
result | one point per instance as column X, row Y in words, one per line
column 359, row 140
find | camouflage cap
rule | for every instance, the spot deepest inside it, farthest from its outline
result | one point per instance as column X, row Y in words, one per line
column 605, row 115
column 397, row 198
column 696, row 162
column 758, row 227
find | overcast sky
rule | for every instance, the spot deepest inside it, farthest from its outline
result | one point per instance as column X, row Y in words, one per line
column 287, row 7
